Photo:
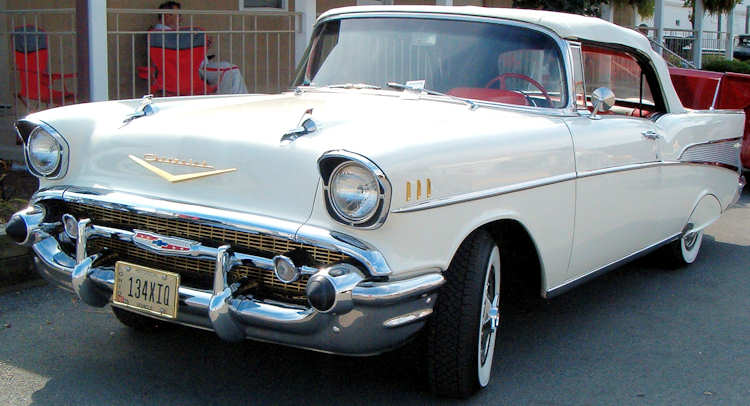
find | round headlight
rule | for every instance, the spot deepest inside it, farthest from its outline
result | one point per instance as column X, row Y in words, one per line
column 354, row 192
column 44, row 152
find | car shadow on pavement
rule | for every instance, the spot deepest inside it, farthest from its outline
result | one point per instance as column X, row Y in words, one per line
column 615, row 338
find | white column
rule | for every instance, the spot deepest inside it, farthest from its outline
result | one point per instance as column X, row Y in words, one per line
column 659, row 22
column 304, row 27
column 97, row 30
column 698, row 33
column 730, row 35
column 608, row 12
column 443, row 2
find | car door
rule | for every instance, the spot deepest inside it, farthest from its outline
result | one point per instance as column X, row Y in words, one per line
column 619, row 194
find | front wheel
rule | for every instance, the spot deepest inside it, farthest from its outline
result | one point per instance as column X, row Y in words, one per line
column 461, row 333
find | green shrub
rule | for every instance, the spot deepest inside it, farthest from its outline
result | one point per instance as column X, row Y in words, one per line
column 719, row 64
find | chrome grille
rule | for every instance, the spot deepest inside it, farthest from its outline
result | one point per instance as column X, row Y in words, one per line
column 197, row 271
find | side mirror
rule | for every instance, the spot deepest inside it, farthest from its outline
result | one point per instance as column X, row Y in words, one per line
column 603, row 99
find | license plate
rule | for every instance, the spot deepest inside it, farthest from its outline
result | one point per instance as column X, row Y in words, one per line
column 145, row 289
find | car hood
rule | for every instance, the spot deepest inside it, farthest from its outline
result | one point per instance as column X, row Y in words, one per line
column 241, row 136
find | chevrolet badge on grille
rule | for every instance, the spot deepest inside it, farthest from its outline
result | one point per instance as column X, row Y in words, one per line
column 163, row 244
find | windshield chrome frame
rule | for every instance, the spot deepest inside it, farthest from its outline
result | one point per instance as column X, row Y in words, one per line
column 568, row 110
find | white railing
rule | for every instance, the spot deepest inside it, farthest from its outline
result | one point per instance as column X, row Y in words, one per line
column 680, row 41
column 40, row 72
column 257, row 45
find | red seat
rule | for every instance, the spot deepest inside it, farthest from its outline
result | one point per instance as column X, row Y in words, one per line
column 490, row 95
column 31, row 61
column 175, row 59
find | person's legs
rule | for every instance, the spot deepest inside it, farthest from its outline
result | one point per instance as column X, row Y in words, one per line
column 224, row 74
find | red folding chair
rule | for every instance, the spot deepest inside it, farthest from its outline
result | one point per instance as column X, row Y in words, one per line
column 32, row 59
column 175, row 59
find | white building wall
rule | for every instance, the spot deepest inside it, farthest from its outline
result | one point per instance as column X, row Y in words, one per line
column 677, row 16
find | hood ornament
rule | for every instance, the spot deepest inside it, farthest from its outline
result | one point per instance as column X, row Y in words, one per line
column 143, row 109
column 305, row 126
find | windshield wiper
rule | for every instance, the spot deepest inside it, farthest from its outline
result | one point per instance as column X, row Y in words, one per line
column 420, row 89
column 353, row 86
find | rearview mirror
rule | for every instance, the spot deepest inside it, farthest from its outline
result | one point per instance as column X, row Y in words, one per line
column 603, row 99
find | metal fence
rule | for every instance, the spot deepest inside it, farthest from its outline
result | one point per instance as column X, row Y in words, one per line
column 40, row 70
column 200, row 52
column 678, row 43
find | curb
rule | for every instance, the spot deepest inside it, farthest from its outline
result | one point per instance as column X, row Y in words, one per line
column 16, row 264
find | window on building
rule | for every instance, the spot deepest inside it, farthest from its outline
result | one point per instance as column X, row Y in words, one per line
column 263, row 4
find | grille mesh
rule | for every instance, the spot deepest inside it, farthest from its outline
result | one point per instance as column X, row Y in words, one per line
column 197, row 271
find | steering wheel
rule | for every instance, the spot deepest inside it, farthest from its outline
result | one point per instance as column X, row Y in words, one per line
column 536, row 84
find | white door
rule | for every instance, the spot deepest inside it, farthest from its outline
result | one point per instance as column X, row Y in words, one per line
column 621, row 202
column 619, row 193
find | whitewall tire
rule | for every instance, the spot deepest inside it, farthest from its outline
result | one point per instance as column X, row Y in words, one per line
column 462, row 331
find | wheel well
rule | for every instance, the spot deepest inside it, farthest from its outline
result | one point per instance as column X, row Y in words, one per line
column 519, row 259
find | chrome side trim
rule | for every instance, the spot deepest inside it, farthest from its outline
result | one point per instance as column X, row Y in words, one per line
column 623, row 168
column 372, row 259
column 516, row 187
column 616, row 264
column 483, row 194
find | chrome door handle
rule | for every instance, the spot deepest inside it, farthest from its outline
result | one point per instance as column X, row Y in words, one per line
column 650, row 134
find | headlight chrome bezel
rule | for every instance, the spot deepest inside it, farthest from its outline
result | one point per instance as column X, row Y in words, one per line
column 61, row 168
column 330, row 164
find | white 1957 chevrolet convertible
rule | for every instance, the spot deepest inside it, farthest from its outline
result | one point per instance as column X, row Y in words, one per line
column 427, row 160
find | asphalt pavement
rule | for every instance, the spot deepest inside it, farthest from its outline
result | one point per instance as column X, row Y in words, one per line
column 641, row 335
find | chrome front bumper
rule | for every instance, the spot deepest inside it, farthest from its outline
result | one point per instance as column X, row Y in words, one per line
column 371, row 317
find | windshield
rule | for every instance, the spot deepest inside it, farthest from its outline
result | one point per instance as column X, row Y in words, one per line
column 484, row 61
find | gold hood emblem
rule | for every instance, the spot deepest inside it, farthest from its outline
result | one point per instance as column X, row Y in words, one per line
column 174, row 161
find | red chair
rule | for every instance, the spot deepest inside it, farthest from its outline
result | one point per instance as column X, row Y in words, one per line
column 32, row 59
column 175, row 59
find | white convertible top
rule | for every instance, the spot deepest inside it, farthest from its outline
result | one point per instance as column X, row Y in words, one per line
column 568, row 26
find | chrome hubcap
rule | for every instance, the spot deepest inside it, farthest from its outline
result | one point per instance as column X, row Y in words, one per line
column 489, row 317
column 689, row 240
